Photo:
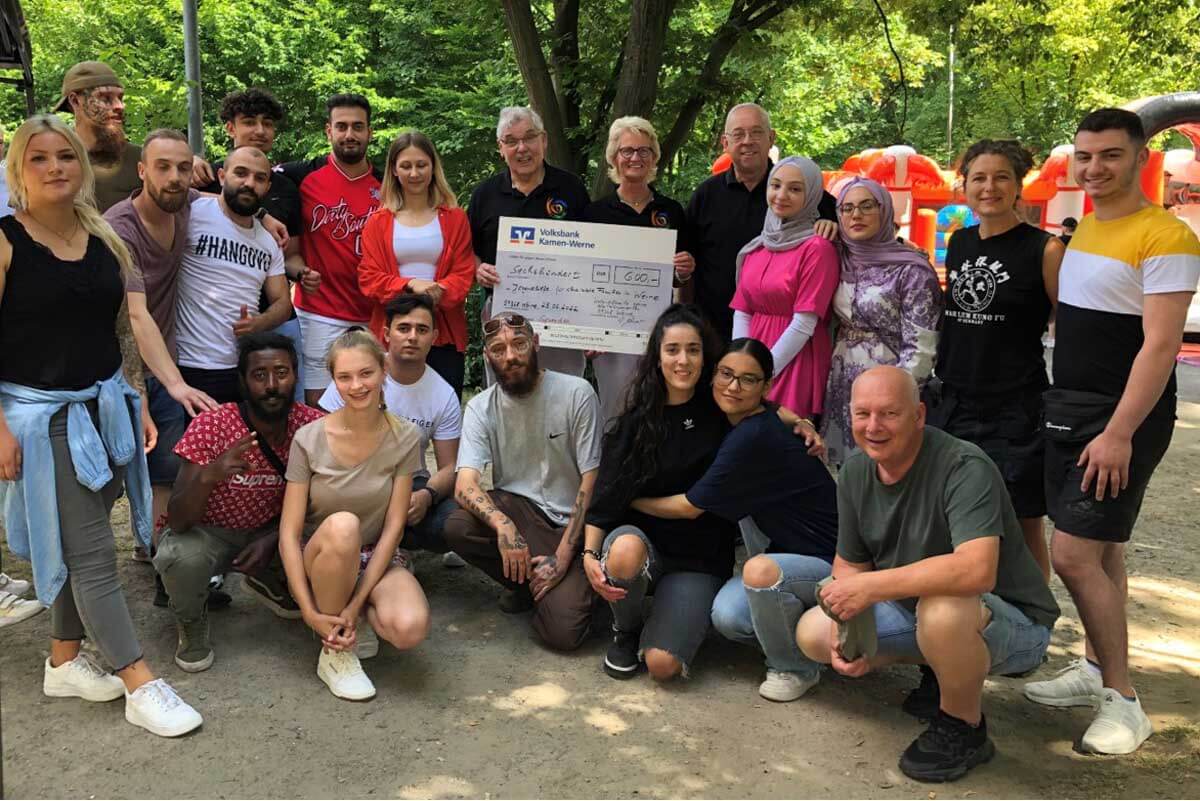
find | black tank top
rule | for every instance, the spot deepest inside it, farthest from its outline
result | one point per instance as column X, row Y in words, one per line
column 58, row 319
column 996, row 311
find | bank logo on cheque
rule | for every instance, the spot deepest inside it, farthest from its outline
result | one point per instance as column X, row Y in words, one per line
column 521, row 235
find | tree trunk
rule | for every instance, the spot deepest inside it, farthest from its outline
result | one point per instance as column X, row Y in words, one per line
column 518, row 17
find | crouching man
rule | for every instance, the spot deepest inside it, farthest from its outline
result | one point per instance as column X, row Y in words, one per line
column 225, row 505
column 929, row 544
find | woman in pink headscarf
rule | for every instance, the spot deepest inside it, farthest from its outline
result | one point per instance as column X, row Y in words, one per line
column 786, row 279
column 888, row 306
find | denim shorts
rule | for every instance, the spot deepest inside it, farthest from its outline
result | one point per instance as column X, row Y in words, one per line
column 171, row 420
column 1015, row 643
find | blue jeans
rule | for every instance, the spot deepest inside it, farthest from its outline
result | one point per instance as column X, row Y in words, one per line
column 1015, row 643
column 291, row 330
column 767, row 617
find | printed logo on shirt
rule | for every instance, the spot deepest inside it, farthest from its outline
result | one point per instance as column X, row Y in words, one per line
column 374, row 193
column 659, row 219
column 973, row 287
column 218, row 248
column 556, row 208
column 689, row 424
column 521, row 235
column 341, row 222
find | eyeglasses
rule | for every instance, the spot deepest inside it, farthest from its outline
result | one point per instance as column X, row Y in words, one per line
column 741, row 135
column 724, row 377
column 505, row 319
column 519, row 346
column 527, row 140
column 644, row 153
column 866, row 208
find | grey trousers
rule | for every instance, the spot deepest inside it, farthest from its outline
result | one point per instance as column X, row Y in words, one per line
column 187, row 560
column 92, row 601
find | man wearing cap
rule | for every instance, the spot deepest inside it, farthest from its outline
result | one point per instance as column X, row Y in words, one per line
column 95, row 95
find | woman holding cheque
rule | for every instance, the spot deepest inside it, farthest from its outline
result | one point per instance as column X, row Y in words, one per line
column 349, row 481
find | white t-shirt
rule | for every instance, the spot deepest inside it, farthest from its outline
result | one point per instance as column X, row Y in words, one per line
column 224, row 268
column 418, row 249
column 430, row 404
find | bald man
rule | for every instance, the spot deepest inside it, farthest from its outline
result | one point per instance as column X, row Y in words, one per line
column 926, row 533
column 228, row 260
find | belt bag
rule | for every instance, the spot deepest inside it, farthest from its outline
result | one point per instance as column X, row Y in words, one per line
column 1076, row 416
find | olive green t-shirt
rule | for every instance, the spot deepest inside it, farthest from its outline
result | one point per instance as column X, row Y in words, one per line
column 116, row 181
column 952, row 494
column 364, row 489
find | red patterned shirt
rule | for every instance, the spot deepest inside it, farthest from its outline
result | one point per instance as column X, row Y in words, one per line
column 251, row 499
column 334, row 208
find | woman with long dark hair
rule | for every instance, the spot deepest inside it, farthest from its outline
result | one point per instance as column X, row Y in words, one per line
column 661, row 444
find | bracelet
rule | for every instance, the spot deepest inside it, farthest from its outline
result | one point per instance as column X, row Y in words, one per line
column 592, row 552
column 681, row 279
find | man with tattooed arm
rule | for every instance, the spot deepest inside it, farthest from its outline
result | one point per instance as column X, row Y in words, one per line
column 539, row 431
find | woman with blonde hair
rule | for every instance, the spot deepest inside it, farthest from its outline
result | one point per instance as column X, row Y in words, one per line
column 69, row 432
column 420, row 241
column 349, row 479
column 632, row 154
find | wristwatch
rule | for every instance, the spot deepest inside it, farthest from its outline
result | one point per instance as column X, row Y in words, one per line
column 261, row 213
column 433, row 495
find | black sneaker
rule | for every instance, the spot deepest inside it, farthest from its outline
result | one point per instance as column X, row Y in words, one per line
column 923, row 702
column 621, row 661
column 270, row 590
column 947, row 750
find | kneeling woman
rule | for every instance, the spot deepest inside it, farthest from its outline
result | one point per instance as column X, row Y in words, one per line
column 349, row 481
column 764, row 473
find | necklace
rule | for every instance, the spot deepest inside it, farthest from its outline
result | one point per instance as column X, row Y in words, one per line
column 636, row 205
column 66, row 239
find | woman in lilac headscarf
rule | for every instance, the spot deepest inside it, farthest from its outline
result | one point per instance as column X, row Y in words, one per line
column 888, row 306
column 786, row 277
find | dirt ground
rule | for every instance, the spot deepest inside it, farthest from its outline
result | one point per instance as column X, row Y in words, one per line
column 480, row 710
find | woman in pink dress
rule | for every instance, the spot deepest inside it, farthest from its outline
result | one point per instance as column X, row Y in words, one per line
column 786, row 280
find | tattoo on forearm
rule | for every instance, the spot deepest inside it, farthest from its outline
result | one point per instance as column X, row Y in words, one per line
column 131, row 359
column 573, row 534
column 478, row 502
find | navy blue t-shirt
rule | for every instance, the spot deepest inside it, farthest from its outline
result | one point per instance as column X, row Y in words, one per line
column 764, row 470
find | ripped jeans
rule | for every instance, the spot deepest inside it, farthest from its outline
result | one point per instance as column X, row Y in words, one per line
column 678, row 621
column 767, row 617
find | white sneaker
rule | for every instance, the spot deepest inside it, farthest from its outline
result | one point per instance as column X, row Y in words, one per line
column 343, row 675
column 157, row 708
column 783, row 687
column 81, row 678
column 15, row 586
column 367, row 643
column 1118, row 728
column 14, row 609
column 1075, row 685
column 451, row 559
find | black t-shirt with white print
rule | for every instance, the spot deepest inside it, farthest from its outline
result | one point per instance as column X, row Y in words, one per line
column 996, row 312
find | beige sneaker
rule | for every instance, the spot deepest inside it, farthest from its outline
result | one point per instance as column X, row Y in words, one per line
column 14, row 609
column 1120, row 726
column 343, row 675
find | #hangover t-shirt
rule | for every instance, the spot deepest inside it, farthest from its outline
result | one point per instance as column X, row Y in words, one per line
column 224, row 268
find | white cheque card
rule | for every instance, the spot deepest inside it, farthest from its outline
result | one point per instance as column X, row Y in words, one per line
column 586, row 286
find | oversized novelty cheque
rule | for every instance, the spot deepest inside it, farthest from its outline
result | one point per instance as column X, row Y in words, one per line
column 586, row 286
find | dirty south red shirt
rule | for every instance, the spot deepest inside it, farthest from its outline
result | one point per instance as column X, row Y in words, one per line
column 334, row 208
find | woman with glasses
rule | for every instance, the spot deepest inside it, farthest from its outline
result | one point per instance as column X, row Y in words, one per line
column 632, row 156
column 887, row 303
column 763, row 472
column 1001, row 291
column 786, row 279
column 419, row 241
column 661, row 444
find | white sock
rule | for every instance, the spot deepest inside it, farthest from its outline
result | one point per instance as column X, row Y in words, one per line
column 1091, row 668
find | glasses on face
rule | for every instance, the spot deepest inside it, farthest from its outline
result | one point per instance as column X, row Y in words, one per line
column 866, row 208
column 643, row 153
column 724, row 377
column 739, row 135
column 527, row 140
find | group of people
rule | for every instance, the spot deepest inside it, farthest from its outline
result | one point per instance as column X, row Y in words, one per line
column 286, row 342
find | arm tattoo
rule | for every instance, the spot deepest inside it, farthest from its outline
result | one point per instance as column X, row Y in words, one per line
column 573, row 534
column 130, row 357
column 480, row 505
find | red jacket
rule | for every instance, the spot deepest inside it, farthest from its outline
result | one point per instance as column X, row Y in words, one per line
column 380, row 280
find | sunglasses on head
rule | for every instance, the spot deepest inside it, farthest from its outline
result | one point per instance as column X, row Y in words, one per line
column 509, row 319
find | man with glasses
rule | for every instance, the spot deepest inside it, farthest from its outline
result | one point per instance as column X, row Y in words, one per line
column 728, row 210
column 526, row 187
column 538, row 431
